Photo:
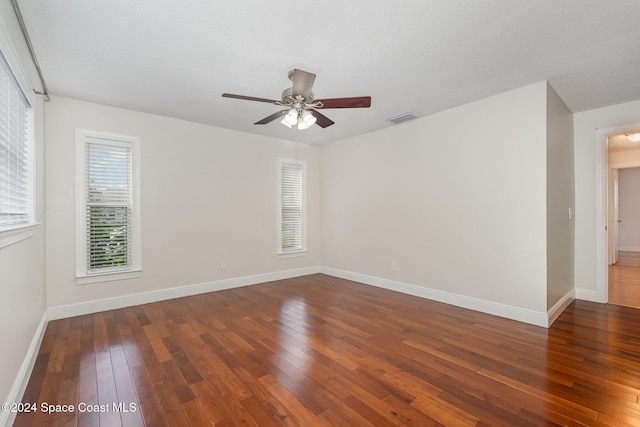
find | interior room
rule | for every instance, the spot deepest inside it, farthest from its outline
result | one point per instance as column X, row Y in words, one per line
column 319, row 213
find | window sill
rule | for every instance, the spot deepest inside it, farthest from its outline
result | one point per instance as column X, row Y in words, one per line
column 108, row 277
column 285, row 255
column 17, row 234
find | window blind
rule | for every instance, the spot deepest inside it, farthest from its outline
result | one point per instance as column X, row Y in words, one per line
column 16, row 188
column 291, row 190
column 109, row 204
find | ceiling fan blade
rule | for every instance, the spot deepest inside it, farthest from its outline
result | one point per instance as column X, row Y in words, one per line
column 271, row 118
column 321, row 120
column 354, row 102
column 302, row 83
column 248, row 98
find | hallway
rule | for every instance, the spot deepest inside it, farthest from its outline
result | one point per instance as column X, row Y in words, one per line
column 624, row 280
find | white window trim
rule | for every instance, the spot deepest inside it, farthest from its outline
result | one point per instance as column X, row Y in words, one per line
column 135, row 270
column 284, row 254
column 13, row 235
column 16, row 233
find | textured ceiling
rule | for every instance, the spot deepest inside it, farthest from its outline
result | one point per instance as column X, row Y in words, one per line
column 176, row 58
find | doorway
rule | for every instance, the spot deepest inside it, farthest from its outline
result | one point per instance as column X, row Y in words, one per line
column 623, row 221
column 603, row 137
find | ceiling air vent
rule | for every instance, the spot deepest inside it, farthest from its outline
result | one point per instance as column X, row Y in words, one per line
column 409, row 115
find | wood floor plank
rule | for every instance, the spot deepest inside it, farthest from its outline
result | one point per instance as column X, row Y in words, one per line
column 88, row 390
column 211, row 401
column 107, row 393
column 624, row 280
column 48, row 338
column 237, row 413
column 293, row 405
column 157, row 344
column 150, row 407
column 196, row 414
column 171, row 408
column 427, row 400
column 177, row 382
column 259, row 413
column 126, row 404
column 323, row 351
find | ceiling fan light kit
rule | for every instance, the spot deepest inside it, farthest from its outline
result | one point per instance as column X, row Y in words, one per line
column 301, row 111
column 300, row 118
column 633, row 136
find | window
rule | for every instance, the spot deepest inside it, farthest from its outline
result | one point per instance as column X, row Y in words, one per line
column 107, row 218
column 291, row 208
column 16, row 158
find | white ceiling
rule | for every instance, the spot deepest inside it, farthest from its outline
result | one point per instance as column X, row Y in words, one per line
column 175, row 58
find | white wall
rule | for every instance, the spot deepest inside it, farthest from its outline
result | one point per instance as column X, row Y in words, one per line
column 457, row 199
column 208, row 195
column 22, row 265
column 623, row 156
column 629, row 209
column 585, row 125
column 560, row 198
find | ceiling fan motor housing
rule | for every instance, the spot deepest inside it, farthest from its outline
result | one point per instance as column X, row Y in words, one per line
column 288, row 98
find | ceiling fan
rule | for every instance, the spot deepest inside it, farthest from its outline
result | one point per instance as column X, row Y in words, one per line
column 302, row 108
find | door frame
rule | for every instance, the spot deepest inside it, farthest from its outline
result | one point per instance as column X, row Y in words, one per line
column 602, row 206
column 613, row 215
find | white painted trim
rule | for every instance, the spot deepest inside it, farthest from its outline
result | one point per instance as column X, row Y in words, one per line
column 510, row 312
column 82, row 136
column 629, row 248
column 611, row 175
column 587, row 295
column 17, row 234
column 558, row 308
column 296, row 254
column 303, row 165
column 108, row 277
column 601, row 293
column 602, row 206
column 95, row 306
column 625, row 165
column 22, row 378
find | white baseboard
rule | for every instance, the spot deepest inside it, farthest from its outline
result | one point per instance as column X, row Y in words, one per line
column 484, row 306
column 558, row 308
column 22, row 378
column 96, row 306
column 590, row 295
column 629, row 248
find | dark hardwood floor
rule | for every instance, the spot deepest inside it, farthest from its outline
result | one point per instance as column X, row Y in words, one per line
column 322, row 351
column 624, row 280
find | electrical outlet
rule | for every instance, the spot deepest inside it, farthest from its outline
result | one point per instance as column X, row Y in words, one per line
column 394, row 266
column 223, row 265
